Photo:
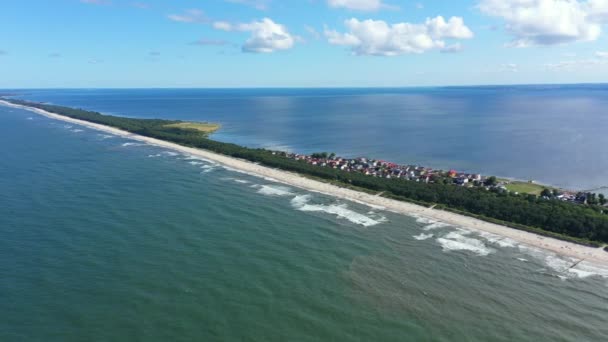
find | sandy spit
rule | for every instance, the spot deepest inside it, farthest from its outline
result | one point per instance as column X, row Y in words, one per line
column 569, row 249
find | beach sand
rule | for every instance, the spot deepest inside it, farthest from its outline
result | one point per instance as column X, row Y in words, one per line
column 595, row 255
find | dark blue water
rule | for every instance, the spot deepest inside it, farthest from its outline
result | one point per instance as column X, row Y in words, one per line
column 550, row 134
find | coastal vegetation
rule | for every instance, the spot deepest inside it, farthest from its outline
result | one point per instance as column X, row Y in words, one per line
column 203, row 127
column 525, row 187
column 587, row 224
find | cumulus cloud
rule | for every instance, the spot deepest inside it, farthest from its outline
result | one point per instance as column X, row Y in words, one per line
column 266, row 35
column 190, row 16
column 378, row 38
column 601, row 54
column 548, row 22
column 359, row 5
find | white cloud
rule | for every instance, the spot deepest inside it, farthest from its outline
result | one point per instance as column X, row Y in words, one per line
column 266, row 35
column 601, row 54
column 548, row 22
column 190, row 16
column 359, row 5
column 376, row 37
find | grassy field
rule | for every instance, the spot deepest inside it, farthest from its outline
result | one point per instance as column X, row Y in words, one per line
column 525, row 188
column 197, row 126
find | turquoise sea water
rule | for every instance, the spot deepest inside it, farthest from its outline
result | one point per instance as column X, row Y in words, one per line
column 105, row 239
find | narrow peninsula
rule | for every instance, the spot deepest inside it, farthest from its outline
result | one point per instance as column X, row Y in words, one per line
column 574, row 228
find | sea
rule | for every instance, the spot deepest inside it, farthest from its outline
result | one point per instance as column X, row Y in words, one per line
column 107, row 239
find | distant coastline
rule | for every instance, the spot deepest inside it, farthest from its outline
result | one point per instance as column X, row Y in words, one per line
column 570, row 249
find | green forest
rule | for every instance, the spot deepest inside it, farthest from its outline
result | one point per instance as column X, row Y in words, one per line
column 586, row 224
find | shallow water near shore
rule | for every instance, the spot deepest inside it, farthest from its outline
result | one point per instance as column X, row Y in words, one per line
column 104, row 238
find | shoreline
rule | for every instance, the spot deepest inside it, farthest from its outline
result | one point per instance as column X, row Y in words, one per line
column 570, row 249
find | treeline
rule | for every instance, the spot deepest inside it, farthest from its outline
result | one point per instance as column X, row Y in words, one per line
column 583, row 223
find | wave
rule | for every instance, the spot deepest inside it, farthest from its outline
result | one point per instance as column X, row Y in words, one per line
column 105, row 136
column 436, row 225
column 498, row 240
column 30, row 118
column 206, row 167
column 192, row 157
column 566, row 267
column 430, row 224
column 127, row 144
column 76, row 130
column 274, row 190
column 422, row 236
column 154, row 155
column 302, row 203
column 457, row 241
column 169, row 153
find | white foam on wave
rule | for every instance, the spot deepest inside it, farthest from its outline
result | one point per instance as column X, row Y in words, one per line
column 435, row 225
column 430, row 224
column 274, row 190
column 67, row 126
column 105, row 136
column 76, row 130
column 498, row 240
column 207, row 168
column 236, row 180
column 169, row 153
column 195, row 163
column 566, row 267
column 459, row 241
column 302, row 203
column 154, row 155
column 127, row 144
column 30, row 118
column 193, row 157
column 422, row 236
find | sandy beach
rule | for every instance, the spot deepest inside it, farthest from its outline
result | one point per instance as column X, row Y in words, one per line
column 595, row 255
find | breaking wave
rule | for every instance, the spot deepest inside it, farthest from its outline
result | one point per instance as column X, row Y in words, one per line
column 498, row 240
column 274, row 190
column 302, row 203
column 127, row 144
column 565, row 267
column 422, row 236
column 458, row 241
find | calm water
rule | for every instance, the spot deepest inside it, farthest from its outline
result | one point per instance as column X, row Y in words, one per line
column 104, row 239
column 551, row 134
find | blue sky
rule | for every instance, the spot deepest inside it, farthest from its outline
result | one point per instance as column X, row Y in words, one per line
column 301, row 43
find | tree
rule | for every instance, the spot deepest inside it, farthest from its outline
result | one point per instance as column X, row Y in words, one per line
column 602, row 199
column 491, row 181
column 546, row 193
